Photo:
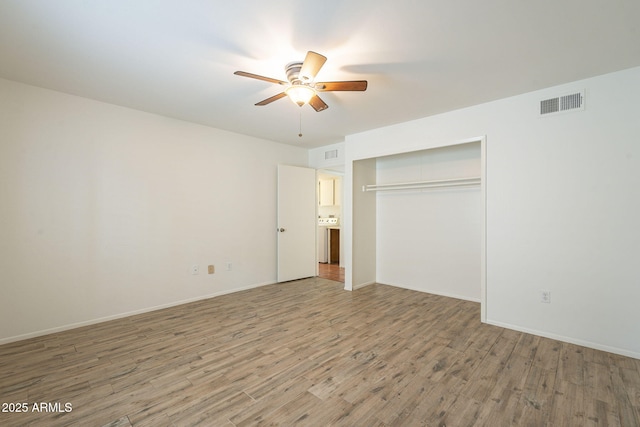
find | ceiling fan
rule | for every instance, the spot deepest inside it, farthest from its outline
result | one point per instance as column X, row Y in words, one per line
column 301, row 87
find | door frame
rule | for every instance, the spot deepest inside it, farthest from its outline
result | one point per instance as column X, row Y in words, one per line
column 319, row 173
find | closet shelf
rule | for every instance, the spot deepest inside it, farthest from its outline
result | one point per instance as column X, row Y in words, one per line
column 454, row 182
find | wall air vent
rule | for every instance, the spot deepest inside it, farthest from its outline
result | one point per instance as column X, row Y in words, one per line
column 331, row 154
column 560, row 104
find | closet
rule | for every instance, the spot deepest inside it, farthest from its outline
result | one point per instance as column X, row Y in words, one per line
column 429, row 219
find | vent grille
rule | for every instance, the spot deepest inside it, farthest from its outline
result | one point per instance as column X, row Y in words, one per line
column 574, row 101
column 550, row 106
column 331, row 154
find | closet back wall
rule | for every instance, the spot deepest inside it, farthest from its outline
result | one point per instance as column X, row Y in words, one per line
column 430, row 239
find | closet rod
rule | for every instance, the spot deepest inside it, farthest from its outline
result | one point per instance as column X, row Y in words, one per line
column 454, row 182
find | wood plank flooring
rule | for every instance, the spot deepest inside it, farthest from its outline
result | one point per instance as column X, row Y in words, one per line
column 309, row 353
column 331, row 272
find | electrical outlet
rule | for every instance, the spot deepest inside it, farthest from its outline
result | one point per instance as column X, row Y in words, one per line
column 195, row 269
column 545, row 296
column 211, row 269
column 229, row 266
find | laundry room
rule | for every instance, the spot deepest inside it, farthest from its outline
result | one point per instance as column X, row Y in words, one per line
column 329, row 212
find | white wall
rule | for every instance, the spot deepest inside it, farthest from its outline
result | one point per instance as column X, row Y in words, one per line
column 105, row 209
column 431, row 239
column 323, row 157
column 562, row 207
column 359, row 230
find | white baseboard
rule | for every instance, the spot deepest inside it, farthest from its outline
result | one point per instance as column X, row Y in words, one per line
column 362, row 285
column 429, row 291
column 126, row 314
column 570, row 340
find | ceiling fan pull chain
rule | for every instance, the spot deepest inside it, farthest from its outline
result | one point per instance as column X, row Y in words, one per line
column 300, row 125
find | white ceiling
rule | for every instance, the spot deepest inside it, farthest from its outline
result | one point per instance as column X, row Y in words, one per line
column 422, row 57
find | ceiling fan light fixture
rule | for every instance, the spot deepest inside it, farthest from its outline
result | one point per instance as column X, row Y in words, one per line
column 300, row 94
column 301, row 87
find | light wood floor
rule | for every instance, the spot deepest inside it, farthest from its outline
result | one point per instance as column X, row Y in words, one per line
column 310, row 353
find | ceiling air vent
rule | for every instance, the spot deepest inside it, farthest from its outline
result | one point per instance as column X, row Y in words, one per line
column 560, row 104
column 331, row 154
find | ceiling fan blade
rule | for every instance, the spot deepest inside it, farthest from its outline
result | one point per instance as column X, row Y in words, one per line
column 271, row 99
column 311, row 65
column 255, row 76
column 317, row 103
column 353, row 85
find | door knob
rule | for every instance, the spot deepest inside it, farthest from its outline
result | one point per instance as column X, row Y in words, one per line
column 282, row 230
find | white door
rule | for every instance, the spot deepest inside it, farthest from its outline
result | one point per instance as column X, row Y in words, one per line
column 296, row 223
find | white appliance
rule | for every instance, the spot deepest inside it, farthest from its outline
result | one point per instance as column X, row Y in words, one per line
column 328, row 222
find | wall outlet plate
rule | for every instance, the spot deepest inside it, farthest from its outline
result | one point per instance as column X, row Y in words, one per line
column 195, row 269
column 545, row 296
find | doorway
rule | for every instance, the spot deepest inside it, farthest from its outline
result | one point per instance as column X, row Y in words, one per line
column 329, row 211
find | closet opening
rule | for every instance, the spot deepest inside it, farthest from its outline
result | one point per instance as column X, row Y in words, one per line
column 419, row 221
